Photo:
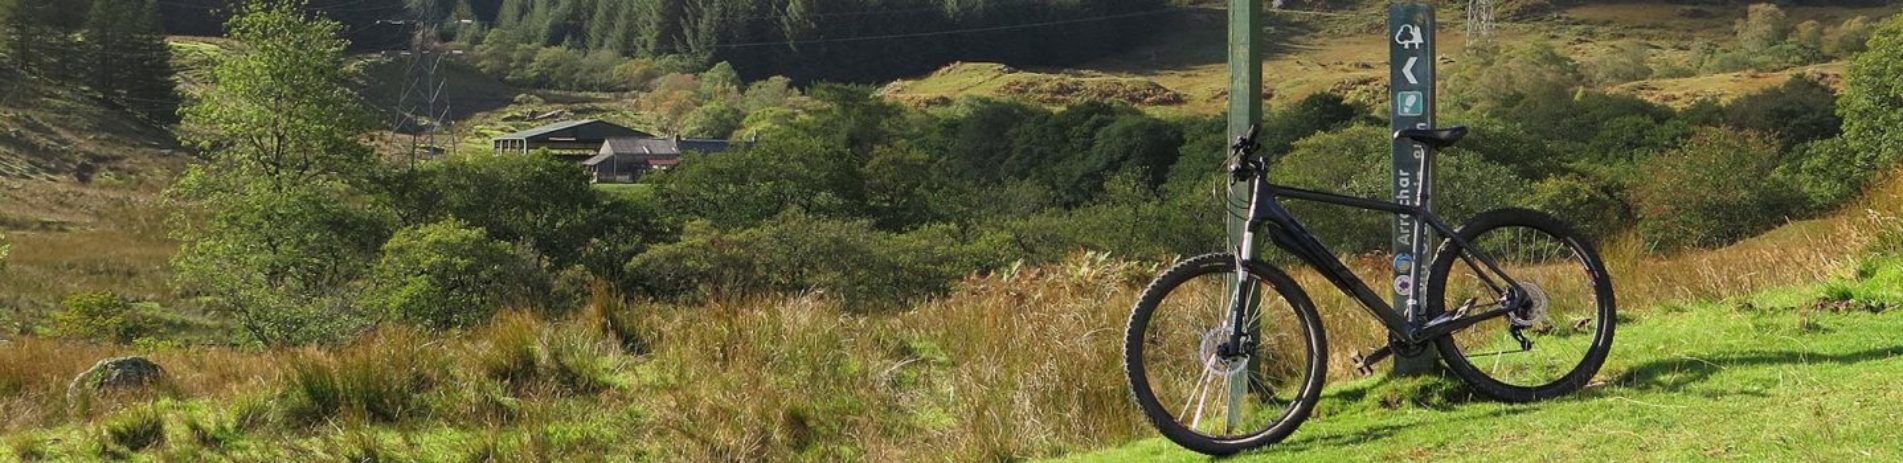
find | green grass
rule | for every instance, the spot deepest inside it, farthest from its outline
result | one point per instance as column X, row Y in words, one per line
column 1776, row 376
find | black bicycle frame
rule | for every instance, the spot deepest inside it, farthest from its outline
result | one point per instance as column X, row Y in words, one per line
column 1287, row 233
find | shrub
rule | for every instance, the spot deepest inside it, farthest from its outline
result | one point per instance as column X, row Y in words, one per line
column 250, row 412
column 1492, row 79
column 285, row 262
column 383, row 379
column 450, row 275
column 580, row 362
column 1827, row 173
column 1128, row 221
column 1590, row 205
column 137, row 429
column 1717, row 189
column 537, row 200
column 28, row 446
column 386, row 377
column 794, row 252
column 714, row 120
column 1764, row 26
column 1873, row 89
column 104, row 316
column 1358, row 161
column 215, row 435
column 513, row 354
column 313, row 396
column 1800, row 111
column 1850, row 38
column 1626, row 64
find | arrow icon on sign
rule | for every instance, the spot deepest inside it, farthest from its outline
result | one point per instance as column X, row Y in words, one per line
column 1408, row 70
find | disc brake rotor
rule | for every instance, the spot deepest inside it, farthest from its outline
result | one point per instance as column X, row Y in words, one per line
column 1537, row 303
column 1213, row 361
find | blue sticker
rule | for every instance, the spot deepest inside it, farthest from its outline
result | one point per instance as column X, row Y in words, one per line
column 1404, row 263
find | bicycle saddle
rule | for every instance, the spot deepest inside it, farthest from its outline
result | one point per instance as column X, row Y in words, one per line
column 1436, row 138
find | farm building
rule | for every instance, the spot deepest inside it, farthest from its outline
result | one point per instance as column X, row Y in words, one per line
column 625, row 160
column 575, row 140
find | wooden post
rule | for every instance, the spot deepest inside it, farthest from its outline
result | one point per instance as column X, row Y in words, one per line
column 1245, row 95
column 1245, row 111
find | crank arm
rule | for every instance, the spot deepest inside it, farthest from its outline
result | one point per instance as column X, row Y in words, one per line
column 1364, row 365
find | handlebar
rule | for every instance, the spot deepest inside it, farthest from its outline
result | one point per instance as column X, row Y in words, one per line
column 1248, row 162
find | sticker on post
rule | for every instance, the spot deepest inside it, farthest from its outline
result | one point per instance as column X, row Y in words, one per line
column 1403, row 263
column 1410, row 104
column 1404, row 285
column 1409, row 37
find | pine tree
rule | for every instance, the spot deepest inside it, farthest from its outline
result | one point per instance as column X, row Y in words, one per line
column 104, row 49
column 35, row 37
column 150, row 88
column 126, row 60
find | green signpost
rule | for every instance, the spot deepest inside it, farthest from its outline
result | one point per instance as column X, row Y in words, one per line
column 1411, row 43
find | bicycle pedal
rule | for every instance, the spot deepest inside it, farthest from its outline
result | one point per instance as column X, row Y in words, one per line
column 1364, row 364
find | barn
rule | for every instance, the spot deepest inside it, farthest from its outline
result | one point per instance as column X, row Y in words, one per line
column 574, row 140
column 625, row 160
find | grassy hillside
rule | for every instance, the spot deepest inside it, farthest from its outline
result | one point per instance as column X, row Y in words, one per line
column 71, row 235
column 1773, row 348
column 1019, row 364
column 1344, row 51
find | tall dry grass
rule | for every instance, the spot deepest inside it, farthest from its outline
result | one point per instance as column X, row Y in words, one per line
column 1800, row 252
column 35, row 372
column 70, row 239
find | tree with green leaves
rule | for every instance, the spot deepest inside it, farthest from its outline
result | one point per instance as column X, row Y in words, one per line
column 280, row 229
column 450, row 275
column 1872, row 103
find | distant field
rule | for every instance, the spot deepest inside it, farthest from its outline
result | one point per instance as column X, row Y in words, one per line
column 1345, row 52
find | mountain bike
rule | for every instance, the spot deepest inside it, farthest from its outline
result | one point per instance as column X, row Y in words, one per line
column 1227, row 353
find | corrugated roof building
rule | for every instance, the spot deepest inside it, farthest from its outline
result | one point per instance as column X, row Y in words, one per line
column 570, row 138
column 625, row 160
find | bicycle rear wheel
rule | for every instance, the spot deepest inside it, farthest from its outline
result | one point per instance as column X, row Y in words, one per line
column 1558, row 341
column 1216, row 404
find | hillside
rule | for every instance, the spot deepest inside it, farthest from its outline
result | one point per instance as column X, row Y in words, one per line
column 1792, row 370
column 874, row 282
column 1343, row 52
column 71, row 235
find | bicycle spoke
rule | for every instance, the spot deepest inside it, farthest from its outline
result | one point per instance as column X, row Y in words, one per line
column 1192, row 399
column 1203, row 384
column 1202, row 393
column 1559, row 305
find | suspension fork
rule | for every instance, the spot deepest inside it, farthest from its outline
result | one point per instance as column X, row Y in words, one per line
column 1243, row 297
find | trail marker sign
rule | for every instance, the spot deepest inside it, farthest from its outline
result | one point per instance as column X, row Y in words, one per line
column 1411, row 65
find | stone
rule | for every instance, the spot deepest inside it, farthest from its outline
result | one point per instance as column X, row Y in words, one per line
column 120, row 373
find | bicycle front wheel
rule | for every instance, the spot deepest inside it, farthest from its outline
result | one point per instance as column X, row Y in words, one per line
column 1562, row 334
column 1216, row 403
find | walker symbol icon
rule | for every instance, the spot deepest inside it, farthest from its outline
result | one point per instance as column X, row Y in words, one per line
column 1410, row 104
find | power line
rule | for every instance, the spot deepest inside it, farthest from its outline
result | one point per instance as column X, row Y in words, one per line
column 1155, row 12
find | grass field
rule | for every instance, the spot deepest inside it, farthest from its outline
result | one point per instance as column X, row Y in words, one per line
column 1345, row 52
column 1772, row 377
